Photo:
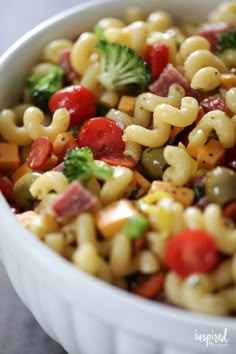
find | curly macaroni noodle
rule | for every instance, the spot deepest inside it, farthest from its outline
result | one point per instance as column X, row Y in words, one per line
column 55, row 241
column 230, row 98
column 197, row 292
column 134, row 13
column 116, row 185
column 134, row 36
column 147, row 137
column 181, row 168
column 147, row 102
column 87, row 258
column 43, row 225
column 224, row 236
column 89, row 79
column 51, row 51
column 42, row 69
column 82, row 51
column 33, row 123
column 133, row 149
column 159, row 21
column 11, row 131
column 164, row 116
column 206, row 79
column 47, row 182
column 214, row 120
column 226, row 12
column 200, row 59
column 182, row 117
column 193, row 218
column 120, row 117
column 85, row 229
column 194, row 293
column 192, row 44
column 120, row 257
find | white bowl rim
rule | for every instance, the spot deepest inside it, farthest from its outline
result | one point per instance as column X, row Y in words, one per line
column 44, row 257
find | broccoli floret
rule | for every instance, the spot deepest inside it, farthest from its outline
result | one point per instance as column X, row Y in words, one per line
column 99, row 33
column 42, row 87
column 121, row 67
column 79, row 165
column 227, row 41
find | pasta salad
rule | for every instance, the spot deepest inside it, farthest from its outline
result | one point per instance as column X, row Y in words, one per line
column 121, row 155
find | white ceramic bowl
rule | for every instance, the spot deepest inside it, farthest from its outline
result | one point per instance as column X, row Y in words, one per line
column 82, row 313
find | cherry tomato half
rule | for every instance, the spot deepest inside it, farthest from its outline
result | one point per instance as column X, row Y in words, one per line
column 191, row 251
column 157, row 57
column 78, row 100
column 119, row 160
column 150, row 287
column 102, row 135
column 40, row 153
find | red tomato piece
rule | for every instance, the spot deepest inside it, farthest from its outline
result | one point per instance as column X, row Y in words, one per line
column 157, row 57
column 65, row 63
column 78, row 100
column 150, row 287
column 191, row 251
column 230, row 211
column 211, row 103
column 119, row 160
column 102, row 135
column 40, row 153
column 6, row 187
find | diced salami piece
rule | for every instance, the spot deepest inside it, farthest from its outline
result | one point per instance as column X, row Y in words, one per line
column 74, row 200
column 212, row 32
column 64, row 62
column 211, row 103
column 170, row 75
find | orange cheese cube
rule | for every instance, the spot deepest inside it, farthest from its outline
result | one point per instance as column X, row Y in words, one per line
column 182, row 195
column 9, row 157
column 111, row 219
column 227, row 81
column 20, row 171
column 210, row 155
column 193, row 150
column 127, row 105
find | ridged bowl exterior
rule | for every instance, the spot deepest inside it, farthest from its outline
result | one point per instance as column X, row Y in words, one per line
column 83, row 314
